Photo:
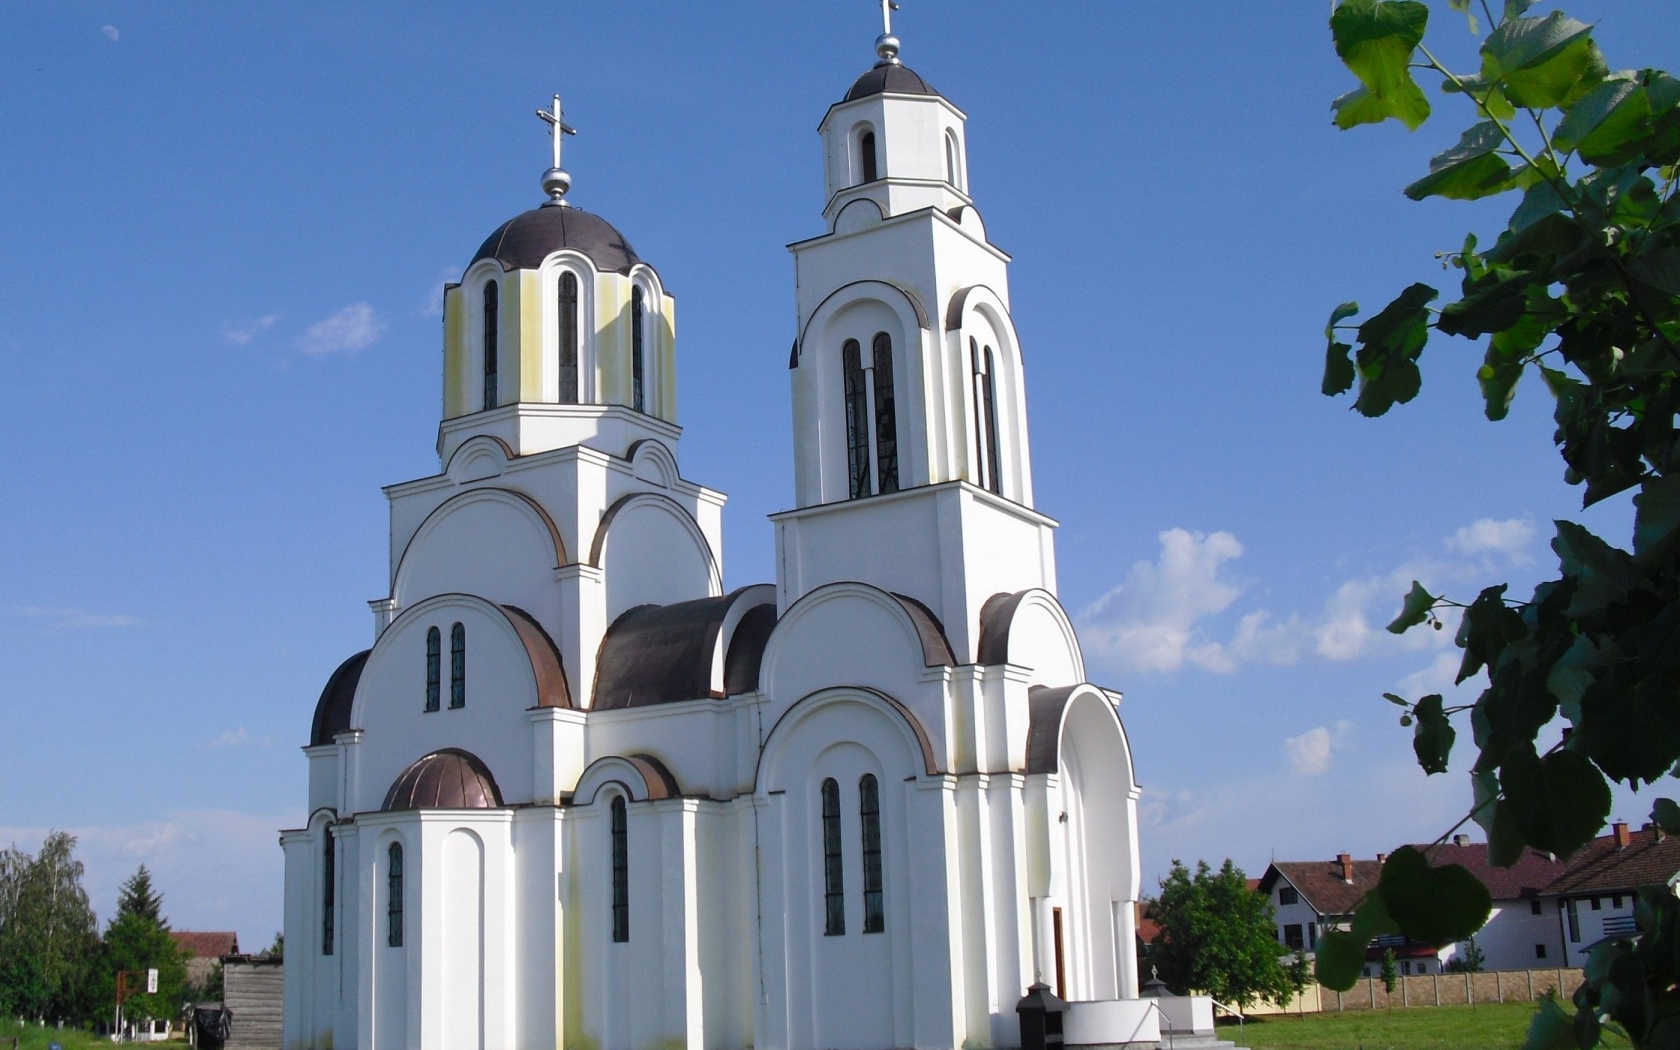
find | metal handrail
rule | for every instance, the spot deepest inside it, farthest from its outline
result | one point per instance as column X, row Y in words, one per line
column 1241, row 1020
column 1161, row 1021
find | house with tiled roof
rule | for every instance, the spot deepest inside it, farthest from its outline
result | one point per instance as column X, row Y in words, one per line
column 1594, row 898
column 204, row 949
column 1312, row 896
column 1522, row 931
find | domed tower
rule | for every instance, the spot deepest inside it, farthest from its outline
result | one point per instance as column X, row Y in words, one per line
column 911, row 462
column 557, row 334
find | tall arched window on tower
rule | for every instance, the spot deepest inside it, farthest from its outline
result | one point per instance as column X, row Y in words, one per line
column 951, row 160
column 869, row 807
column 886, row 417
column 492, row 308
column 434, row 647
column 620, row 871
column 638, row 367
column 866, row 157
column 329, row 879
column 857, row 421
column 457, row 666
column 394, row 895
column 568, row 355
column 834, row 882
column 988, row 472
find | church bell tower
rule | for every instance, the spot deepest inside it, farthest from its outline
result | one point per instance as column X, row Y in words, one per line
column 911, row 458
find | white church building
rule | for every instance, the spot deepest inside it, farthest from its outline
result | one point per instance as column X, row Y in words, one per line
column 578, row 796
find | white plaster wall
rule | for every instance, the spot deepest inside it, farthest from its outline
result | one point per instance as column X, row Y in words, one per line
column 489, row 544
column 1508, row 938
column 654, row 554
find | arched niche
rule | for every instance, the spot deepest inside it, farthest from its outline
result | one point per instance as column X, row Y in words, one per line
column 451, row 551
column 977, row 318
column 652, row 552
column 641, row 778
column 478, row 458
column 584, row 272
column 860, row 214
column 1030, row 629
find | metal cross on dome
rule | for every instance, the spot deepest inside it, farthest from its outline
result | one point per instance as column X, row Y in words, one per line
column 887, row 8
column 558, row 127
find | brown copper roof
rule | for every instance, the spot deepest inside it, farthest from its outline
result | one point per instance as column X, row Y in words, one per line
column 656, row 654
column 936, row 648
column 552, row 690
column 1044, row 726
column 209, row 945
column 447, row 779
column 892, row 77
column 332, row 710
column 746, row 649
column 525, row 240
column 996, row 616
column 1647, row 862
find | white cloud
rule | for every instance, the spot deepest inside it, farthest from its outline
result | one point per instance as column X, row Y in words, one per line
column 241, row 335
column 1509, row 538
column 74, row 619
column 1309, row 753
column 356, row 327
column 231, row 738
column 110, row 32
column 1149, row 621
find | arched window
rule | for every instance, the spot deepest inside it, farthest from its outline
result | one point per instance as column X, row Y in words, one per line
column 866, row 157
column 434, row 648
column 834, row 883
column 491, row 310
column 457, row 666
column 638, row 369
column 857, row 421
column 951, row 160
column 329, row 878
column 886, row 419
column 568, row 356
column 394, row 896
column 620, row 872
column 869, row 807
column 988, row 466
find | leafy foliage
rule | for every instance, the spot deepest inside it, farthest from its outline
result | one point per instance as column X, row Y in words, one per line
column 1389, row 973
column 49, row 945
column 1218, row 936
column 1581, row 289
column 138, row 940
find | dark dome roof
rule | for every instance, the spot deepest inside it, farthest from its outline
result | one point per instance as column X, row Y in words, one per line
column 332, row 711
column 525, row 240
column 655, row 654
column 893, row 76
column 447, row 779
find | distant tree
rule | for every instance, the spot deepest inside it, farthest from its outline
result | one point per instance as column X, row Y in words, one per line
column 49, row 943
column 138, row 939
column 277, row 950
column 1218, row 936
column 1390, row 975
column 1471, row 960
column 1298, row 974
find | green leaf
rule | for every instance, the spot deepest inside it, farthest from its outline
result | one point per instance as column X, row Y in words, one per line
column 1558, row 802
column 1539, row 200
column 1657, row 512
column 1607, row 118
column 1338, row 366
column 1390, row 344
column 1551, row 1027
column 1666, row 815
column 1393, row 699
column 1432, row 739
column 1414, row 610
column 1540, row 61
column 1340, row 958
column 1376, row 39
column 1488, row 626
column 1631, row 731
column 1469, row 170
column 1434, row 905
column 1572, row 674
column 1492, row 304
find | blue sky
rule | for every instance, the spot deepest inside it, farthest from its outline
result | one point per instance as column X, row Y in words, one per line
column 226, row 227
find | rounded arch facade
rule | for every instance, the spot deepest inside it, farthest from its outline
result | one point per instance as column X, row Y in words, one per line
column 978, row 321
column 652, row 552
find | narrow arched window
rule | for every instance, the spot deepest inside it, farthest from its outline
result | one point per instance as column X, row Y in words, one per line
column 329, row 879
column 951, row 160
column 866, row 156
column 568, row 356
column 834, row 882
column 988, row 391
column 886, row 418
column 434, row 649
column 869, row 807
column 857, row 421
column 638, row 368
column 457, row 666
column 620, row 871
column 394, row 895
column 492, row 309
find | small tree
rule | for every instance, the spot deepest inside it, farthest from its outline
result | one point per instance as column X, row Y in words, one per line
column 1298, row 979
column 1470, row 960
column 138, row 939
column 1390, row 976
column 1218, row 936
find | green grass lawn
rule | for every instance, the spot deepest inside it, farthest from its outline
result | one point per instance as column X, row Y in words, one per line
column 32, row 1038
column 1491, row 1026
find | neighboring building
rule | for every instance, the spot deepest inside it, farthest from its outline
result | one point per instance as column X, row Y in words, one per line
column 1594, row 899
column 204, row 951
column 253, row 996
column 1313, row 896
column 577, row 795
column 1522, row 931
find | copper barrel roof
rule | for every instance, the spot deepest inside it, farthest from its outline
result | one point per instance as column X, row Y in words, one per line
column 447, row 779
column 332, row 711
column 894, row 77
column 525, row 240
column 655, row 654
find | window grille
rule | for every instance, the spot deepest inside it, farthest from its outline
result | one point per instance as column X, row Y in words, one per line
column 394, row 896
column 988, row 390
column 866, row 156
column 620, row 871
column 434, row 645
column 568, row 357
column 329, row 877
column 638, row 374
column 886, row 420
column 457, row 666
column 869, row 805
column 857, row 421
column 492, row 308
column 834, row 888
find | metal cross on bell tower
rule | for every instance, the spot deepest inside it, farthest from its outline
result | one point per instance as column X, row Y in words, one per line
column 886, row 45
column 555, row 181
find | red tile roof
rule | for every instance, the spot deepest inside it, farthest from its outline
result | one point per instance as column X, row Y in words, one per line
column 1147, row 928
column 1647, row 862
column 206, row 945
column 1526, row 878
column 1320, row 882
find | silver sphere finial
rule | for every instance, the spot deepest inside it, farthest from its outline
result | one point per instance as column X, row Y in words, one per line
column 886, row 45
column 555, row 183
